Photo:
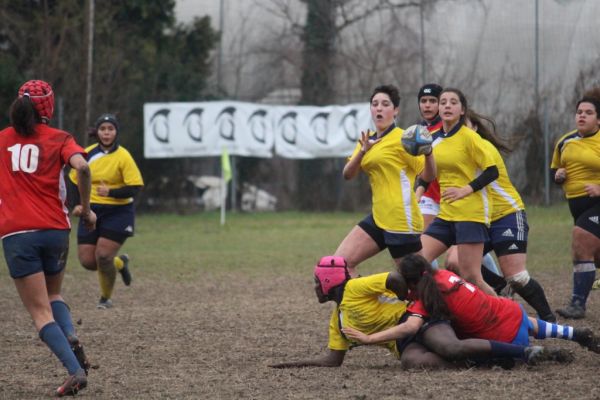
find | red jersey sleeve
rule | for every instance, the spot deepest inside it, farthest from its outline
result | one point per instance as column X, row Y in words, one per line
column 70, row 148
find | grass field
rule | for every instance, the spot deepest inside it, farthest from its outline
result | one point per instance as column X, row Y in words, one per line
column 211, row 306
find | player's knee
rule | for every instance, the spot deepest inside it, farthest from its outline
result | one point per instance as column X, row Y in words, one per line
column 105, row 261
column 519, row 280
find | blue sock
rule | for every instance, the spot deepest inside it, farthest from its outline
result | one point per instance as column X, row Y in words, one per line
column 584, row 274
column 62, row 316
column 57, row 342
column 500, row 349
column 550, row 330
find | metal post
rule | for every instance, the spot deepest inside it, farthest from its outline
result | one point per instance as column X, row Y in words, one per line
column 422, row 17
column 220, row 52
column 537, row 56
column 90, row 68
column 546, row 134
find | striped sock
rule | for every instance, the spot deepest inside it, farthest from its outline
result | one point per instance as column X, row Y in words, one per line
column 550, row 330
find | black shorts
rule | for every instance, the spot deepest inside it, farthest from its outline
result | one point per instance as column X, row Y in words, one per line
column 586, row 214
column 398, row 244
column 113, row 222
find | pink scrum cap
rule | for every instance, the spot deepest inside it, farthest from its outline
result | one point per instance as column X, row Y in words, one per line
column 331, row 271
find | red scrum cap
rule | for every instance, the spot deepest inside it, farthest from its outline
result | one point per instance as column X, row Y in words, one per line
column 42, row 97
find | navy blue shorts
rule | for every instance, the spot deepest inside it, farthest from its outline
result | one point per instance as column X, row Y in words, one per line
column 461, row 232
column 398, row 244
column 113, row 222
column 508, row 235
column 39, row 251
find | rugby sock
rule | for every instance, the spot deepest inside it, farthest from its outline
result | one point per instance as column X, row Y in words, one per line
column 57, row 342
column 533, row 293
column 500, row 349
column 550, row 330
column 495, row 281
column 584, row 274
column 107, row 282
column 489, row 262
column 118, row 263
column 62, row 316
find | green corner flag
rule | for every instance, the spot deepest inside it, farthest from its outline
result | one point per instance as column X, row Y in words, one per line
column 225, row 166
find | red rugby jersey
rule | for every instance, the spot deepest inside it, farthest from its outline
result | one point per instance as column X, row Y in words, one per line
column 475, row 313
column 32, row 189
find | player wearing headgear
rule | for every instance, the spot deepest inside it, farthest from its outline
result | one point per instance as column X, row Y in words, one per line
column 429, row 200
column 116, row 180
column 576, row 166
column 370, row 302
column 395, row 222
column 34, row 222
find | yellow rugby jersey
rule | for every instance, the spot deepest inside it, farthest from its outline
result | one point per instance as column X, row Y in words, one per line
column 367, row 306
column 581, row 157
column 392, row 173
column 461, row 155
column 504, row 197
column 115, row 168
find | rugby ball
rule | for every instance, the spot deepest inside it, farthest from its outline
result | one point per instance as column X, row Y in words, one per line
column 417, row 140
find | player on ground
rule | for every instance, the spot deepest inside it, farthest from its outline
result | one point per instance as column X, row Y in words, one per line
column 34, row 223
column 446, row 304
column 576, row 166
column 372, row 304
column 395, row 222
column 116, row 181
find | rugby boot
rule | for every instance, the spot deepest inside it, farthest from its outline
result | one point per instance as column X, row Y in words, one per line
column 125, row 273
column 586, row 338
column 72, row 385
column 572, row 311
column 79, row 353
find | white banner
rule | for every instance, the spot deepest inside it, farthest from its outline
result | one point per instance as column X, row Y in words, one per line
column 248, row 129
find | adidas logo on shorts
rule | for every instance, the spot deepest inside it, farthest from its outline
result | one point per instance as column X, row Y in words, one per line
column 513, row 247
column 508, row 233
column 594, row 219
column 129, row 229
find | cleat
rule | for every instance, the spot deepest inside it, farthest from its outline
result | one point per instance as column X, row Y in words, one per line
column 103, row 304
column 535, row 355
column 572, row 311
column 586, row 338
column 77, row 348
column 72, row 385
column 125, row 273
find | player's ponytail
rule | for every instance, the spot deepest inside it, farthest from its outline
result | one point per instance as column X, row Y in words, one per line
column 419, row 276
column 23, row 116
column 486, row 128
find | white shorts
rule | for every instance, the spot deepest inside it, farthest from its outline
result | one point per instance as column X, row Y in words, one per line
column 428, row 206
